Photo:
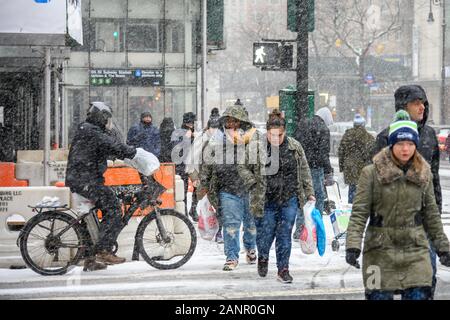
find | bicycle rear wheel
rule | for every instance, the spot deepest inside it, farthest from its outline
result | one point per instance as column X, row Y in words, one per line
column 52, row 243
column 166, row 254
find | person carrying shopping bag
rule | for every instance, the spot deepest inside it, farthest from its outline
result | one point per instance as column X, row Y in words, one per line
column 288, row 186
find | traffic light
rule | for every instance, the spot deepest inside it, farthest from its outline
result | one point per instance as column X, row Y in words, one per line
column 215, row 14
column 274, row 55
column 292, row 15
column 266, row 54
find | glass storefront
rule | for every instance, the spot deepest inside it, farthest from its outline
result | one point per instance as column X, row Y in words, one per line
column 125, row 44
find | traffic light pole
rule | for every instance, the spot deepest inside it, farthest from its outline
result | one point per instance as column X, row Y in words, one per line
column 302, row 64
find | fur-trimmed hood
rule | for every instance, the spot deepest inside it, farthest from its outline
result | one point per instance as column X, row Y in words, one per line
column 387, row 171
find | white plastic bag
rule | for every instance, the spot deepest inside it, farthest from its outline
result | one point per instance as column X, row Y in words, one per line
column 308, row 236
column 208, row 225
column 145, row 162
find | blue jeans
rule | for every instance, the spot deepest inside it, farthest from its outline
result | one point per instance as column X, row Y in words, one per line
column 417, row 293
column 276, row 223
column 318, row 178
column 235, row 211
column 351, row 192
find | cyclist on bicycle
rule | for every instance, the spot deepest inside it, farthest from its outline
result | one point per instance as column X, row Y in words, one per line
column 91, row 146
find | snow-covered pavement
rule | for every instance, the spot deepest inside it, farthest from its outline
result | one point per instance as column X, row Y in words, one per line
column 202, row 277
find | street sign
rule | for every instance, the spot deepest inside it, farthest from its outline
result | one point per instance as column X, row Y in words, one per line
column 266, row 54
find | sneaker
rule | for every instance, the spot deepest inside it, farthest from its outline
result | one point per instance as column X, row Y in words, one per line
column 263, row 266
column 109, row 258
column 219, row 237
column 284, row 276
column 251, row 256
column 230, row 265
column 91, row 265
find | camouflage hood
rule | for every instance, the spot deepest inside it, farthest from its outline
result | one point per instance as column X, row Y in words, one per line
column 237, row 112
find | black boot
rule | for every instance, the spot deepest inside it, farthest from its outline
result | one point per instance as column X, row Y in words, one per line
column 91, row 265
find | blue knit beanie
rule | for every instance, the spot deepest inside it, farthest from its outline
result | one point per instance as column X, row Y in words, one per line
column 403, row 129
column 359, row 120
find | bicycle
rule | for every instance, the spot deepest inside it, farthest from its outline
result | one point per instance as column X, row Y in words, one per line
column 63, row 235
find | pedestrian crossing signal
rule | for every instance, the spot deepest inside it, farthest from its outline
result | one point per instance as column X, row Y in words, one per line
column 266, row 54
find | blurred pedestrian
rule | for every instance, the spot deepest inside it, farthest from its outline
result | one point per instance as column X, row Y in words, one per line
column 395, row 194
column 145, row 135
column 447, row 145
column 182, row 139
column 315, row 140
column 166, row 129
column 355, row 152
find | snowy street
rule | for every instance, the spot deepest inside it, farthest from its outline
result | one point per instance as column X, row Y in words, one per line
column 315, row 277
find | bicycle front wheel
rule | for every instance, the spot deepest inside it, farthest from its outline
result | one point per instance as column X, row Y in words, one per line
column 51, row 243
column 173, row 252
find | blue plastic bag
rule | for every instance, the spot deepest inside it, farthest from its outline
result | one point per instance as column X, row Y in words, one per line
column 320, row 231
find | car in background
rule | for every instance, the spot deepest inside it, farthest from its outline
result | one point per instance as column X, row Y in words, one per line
column 337, row 130
column 442, row 132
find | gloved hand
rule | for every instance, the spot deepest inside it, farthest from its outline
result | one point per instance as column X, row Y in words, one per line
column 351, row 257
column 145, row 162
column 444, row 258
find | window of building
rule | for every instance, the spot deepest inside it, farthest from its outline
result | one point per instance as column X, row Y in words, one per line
column 107, row 35
column 143, row 37
column 175, row 36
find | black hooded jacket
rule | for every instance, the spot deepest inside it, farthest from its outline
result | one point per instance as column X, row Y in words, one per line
column 428, row 144
column 89, row 151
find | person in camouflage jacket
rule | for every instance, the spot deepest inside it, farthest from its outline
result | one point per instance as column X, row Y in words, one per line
column 287, row 184
column 355, row 152
column 230, row 185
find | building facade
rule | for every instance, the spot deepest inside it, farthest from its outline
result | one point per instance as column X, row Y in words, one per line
column 137, row 55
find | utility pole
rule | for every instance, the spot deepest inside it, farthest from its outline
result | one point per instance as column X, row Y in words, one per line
column 302, row 64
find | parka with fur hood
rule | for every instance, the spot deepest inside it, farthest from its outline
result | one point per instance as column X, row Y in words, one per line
column 402, row 217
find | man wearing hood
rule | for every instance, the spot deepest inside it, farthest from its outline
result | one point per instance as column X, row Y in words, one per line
column 91, row 146
column 315, row 140
column 145, row 135
column 413, row 99
column 234, row 188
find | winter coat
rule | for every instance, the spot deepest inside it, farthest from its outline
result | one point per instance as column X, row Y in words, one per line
column 183, row 145
column 355, row 152
column 402, row 214
column 88, row 154
column 428, row 144
column 195, row 159
column 146, row 137
column 315, row 140
column 304, row 180
column 165, row 131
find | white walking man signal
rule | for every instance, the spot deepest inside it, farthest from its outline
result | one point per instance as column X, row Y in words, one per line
column 259, row 55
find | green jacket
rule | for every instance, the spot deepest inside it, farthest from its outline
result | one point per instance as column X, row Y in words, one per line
column 403, row 215
column 355, row 152
column 259, row 174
